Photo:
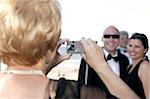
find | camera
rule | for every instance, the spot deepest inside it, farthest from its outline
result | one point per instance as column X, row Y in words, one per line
column 74, row 47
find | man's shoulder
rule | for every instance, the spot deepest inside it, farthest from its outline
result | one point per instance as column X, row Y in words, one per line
column 123, row 57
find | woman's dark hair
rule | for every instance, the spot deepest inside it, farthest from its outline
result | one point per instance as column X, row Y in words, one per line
column 143, row 38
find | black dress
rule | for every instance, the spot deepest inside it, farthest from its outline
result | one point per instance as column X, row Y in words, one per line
column 134, row 81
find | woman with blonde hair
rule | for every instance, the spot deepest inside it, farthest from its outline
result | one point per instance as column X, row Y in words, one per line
column 30, row 31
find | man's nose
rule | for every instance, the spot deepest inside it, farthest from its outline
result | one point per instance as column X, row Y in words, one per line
column 111, row 38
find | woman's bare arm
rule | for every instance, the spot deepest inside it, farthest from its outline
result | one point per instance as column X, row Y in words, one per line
column 54, row 58
column 115, row 85
column 144, row 74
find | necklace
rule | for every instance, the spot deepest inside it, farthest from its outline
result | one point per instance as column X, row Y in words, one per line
column 24, row 72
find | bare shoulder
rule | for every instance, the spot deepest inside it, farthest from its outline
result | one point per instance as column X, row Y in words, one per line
column 27, row 85
column 144, row 68
column 145, row 65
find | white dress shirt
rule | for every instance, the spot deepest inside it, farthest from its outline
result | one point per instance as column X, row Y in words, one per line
column 114, row 66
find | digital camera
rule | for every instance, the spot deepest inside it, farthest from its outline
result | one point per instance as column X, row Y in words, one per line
column 74, row 47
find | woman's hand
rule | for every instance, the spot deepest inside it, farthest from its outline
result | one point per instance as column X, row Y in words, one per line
column 93, row 54
column 53, row 58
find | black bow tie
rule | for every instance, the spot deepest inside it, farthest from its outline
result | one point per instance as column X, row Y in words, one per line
column 115, row 58
column 125, row 51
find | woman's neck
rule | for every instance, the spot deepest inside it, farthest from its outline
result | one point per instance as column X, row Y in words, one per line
column 136, row 61
column 20, row 67
column 39, row 66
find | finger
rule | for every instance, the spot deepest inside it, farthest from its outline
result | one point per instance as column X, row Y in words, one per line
column 87, row 42
column 91, row 42
column 63, row 40
column 66, row 56
column 84, row 42
column 60, row 42
column 83, row 56
column 87, row 45
column 79, row 47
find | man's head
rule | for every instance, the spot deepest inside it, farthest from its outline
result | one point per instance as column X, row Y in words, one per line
column 124, row 37
column 111, row 39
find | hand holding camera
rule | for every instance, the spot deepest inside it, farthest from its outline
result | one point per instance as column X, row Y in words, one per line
column 75, row 47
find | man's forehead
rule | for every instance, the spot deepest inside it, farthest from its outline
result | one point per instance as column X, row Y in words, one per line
column 111, row 30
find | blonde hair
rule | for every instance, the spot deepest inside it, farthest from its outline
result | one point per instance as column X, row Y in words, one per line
column 28, row 28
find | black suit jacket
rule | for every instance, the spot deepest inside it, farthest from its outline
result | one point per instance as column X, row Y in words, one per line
column 94, row 80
